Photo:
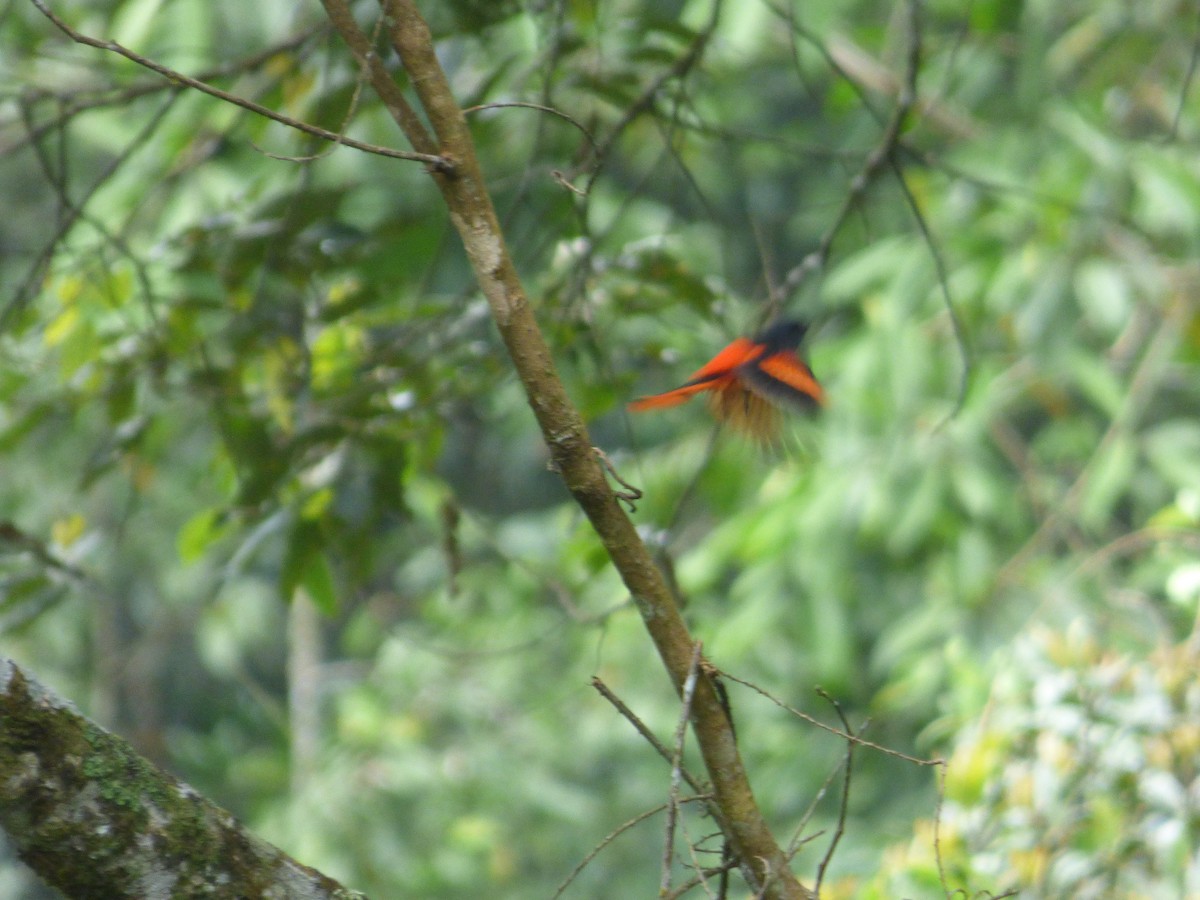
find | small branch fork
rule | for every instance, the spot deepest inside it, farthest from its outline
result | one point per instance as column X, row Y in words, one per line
column 651, row 738
column 885, row 156
column 673, row 755
column 879, row 159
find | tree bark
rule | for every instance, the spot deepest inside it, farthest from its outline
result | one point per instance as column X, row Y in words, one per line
column 464, row 190
column 95, row 820
column 447, row 148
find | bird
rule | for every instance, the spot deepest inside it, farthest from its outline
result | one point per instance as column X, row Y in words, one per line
column 749, row 381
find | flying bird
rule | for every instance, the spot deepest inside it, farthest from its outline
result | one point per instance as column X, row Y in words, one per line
column 749, row 381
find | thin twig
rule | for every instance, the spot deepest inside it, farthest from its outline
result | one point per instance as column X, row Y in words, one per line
column 644, row 731
column 875, row 162
column 81, row 101
column 787, row 14
column 937, row 829
column 616, row 833
column 700, row 879
column 645, row 101
column 797, row 841
column 381, row 79
column 71, row 211
column 36, row 547
column 960, row 333
column 1150, row 537
column 438, row 162
column 685, row 713
column 701, row 871
column 1193, row 61
column 351, row 109
column 846, row 778
column 915, row 760
column 540, row 107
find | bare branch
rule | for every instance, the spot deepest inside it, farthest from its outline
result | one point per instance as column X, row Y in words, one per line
column 876, row 162
column 846, row 778
column 659, row 747
column 539, row 107
column 685, row 712
column 613, row 835
column 474, row 217
column 76, row 102
column 430, row 159
column 845, row 735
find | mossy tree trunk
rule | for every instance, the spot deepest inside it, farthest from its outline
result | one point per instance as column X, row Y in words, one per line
column 94, row 819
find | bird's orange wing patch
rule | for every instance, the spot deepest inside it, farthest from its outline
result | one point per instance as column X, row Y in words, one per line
column 748, row 381
column 784, row 378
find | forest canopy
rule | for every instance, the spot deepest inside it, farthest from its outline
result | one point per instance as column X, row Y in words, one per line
column 275, row 508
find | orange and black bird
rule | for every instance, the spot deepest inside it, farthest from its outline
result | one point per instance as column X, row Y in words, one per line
column 750, row 380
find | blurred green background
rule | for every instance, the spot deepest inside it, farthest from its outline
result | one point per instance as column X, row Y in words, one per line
column 275, row 509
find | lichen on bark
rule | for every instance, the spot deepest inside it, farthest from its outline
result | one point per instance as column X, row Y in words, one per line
column 94, row 819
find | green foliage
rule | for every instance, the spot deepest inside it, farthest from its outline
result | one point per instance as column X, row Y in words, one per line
column 1077, row 781
column 236, row 382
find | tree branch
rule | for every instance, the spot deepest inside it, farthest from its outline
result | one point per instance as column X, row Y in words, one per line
column 471, row 211
column 71, row 104
column 880, row 158
column 381, row 79
column 450, row 155
column 94, row 819
column 430, row 159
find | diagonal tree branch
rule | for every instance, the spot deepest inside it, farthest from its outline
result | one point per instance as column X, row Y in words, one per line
column 205, row 88
column 94, row 819
column 879, row 159
column 474, row 217
column 451, row 160
column 381, row 79
column 73, row 103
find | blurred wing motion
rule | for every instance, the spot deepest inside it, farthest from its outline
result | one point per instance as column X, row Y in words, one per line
column 748, row 380
column 715, row 375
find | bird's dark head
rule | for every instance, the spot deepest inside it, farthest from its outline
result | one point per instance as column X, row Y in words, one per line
column 784, row 334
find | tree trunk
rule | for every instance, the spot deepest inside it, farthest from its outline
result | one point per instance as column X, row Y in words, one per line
column 94, row 819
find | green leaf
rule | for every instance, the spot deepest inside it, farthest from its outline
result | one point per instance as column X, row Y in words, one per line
column 1104, row 293
column 305, row 565
column 1108, row 479
column 1097, row 382
column 1173, row 448
column 199, row 533
column 919, row 508
column 318, row 582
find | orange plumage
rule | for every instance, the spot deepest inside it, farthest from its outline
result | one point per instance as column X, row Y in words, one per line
column 749, row 380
